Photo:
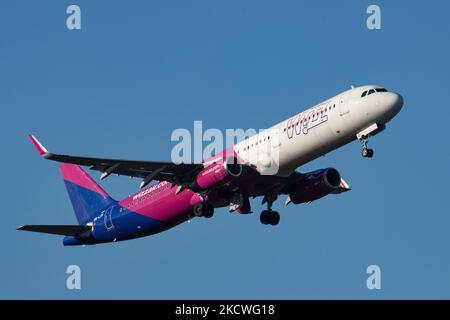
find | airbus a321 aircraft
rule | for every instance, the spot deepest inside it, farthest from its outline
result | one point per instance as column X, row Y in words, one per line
column 228, row 179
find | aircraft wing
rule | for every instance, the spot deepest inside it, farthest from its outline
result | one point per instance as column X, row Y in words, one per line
column 147, row 170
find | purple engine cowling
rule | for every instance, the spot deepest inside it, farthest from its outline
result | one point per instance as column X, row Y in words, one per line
column 317, row 184
column 218, row 173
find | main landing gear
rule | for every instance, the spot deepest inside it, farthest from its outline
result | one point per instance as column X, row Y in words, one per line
column 269, row 217
column 204, row 210
column 365, row 152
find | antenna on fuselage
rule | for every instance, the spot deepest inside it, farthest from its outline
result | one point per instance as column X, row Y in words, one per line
column 352, row 87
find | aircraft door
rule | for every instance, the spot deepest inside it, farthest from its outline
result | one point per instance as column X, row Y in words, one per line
column 108, row 219
column 343, row 104
column 275, row 153
column 275, row 139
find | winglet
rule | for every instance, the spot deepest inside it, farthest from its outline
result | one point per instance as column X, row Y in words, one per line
column 39, row 147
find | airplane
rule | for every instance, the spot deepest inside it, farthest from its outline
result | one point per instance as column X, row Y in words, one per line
column 228, row 179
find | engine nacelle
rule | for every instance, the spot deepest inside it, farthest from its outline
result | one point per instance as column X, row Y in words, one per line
column 317, row 184
column 218, row 173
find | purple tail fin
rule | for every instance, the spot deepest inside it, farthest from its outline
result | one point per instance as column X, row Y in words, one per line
column 87, row 197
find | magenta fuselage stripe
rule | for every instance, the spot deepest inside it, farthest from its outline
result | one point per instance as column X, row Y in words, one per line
column 161, row 202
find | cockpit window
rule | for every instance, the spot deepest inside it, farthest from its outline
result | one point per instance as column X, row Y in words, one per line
column 369, row 92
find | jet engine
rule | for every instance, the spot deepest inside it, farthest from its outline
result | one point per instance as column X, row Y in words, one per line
column 316, row 185
column 218, row 173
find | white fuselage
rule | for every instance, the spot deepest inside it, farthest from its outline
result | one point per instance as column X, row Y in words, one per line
column 325, row 127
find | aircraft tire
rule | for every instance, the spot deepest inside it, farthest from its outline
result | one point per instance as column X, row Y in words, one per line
column 274, row 218
column 208, row 210
column 265, row 217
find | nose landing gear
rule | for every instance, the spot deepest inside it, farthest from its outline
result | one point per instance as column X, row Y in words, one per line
column 365, row 152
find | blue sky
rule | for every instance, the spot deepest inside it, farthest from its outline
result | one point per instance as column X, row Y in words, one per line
column 138, row 70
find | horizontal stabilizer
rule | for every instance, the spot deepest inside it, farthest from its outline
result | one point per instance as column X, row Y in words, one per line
column 64, row 230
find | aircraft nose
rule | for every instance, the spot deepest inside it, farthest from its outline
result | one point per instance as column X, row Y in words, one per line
column 394, row 102
column 397, row 104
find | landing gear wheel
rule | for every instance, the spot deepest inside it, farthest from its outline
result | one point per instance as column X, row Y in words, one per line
column 274, row 218
column 365, row 153
column 265, row 217
column 198, row 210
column 208, row 210
column 204, row 210
column 269, row 217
